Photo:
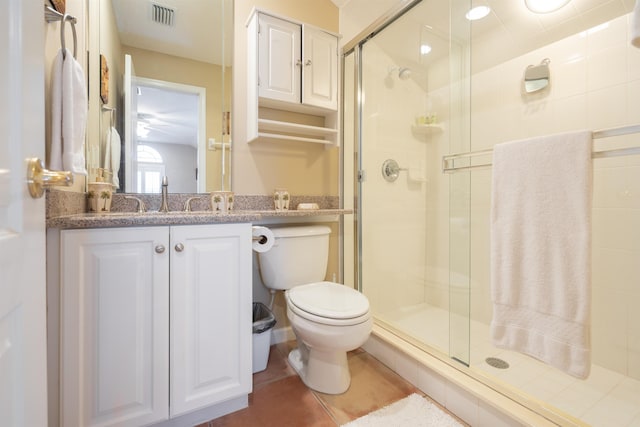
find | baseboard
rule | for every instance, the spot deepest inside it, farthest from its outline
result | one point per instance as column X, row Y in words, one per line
column 201, row 416
column 279, row 335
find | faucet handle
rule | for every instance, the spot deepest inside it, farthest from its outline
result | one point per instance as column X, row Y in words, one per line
column 141, row 206
column 187, row 204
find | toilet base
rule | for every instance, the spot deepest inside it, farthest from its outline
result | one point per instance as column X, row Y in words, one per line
column 326, row 372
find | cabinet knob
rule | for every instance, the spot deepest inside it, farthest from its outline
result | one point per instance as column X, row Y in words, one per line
column 307, row 62
column 160, row 249
column 298, row 62
column 179, row 247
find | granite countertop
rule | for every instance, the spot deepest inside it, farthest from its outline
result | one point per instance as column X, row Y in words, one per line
column 67, row 210
column 131, row 219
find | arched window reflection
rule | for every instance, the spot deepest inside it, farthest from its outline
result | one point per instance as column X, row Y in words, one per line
column 150, row 170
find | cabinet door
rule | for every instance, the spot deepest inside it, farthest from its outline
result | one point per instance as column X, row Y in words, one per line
column 114, row 326
column 279, row 53
column 211, row 315
column 320, row 69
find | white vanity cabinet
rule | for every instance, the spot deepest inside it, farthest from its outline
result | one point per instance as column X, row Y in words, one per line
column 155, row 322
column 292, row 67
column 211, row 315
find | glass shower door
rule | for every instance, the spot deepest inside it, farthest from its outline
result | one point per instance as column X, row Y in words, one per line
column 413, row 76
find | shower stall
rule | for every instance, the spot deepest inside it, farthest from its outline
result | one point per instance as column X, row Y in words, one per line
column 424, row 83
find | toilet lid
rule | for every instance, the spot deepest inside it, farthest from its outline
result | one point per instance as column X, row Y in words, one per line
column 330, row 300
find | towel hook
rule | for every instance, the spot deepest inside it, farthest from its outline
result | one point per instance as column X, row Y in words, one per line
column 71, row 19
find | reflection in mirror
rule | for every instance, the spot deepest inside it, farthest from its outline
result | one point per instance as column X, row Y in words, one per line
column 167, row 122
column 171, row 115
column 536, row 77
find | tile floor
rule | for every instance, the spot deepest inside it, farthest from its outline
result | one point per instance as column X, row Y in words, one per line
column 280, row 398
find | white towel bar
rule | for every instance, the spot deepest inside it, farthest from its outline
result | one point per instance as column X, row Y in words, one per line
column 448, row 162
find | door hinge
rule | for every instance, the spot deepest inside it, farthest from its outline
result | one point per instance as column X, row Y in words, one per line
column 361, row 176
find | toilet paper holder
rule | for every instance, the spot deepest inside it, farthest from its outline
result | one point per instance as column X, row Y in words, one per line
column 260, row 239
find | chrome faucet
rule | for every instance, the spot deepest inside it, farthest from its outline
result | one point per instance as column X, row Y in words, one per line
column 164, row 206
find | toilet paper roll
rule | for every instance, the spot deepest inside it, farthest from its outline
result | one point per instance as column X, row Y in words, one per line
column 263, row 239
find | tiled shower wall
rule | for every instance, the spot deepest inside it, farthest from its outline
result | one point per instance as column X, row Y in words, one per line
column 393, row 213
column 595, row 84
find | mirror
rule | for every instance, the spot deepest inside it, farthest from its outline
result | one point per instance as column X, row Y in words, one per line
column 536, row 77
column 165, row 93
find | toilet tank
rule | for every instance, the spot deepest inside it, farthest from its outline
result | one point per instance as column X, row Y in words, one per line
column 299, row 256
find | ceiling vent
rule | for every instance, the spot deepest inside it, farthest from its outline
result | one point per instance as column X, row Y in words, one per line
column 163, row 15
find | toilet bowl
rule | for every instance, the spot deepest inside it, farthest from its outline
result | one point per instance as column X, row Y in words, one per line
column 328, row 319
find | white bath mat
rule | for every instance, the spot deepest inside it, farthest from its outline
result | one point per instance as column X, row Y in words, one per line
column 412, row 411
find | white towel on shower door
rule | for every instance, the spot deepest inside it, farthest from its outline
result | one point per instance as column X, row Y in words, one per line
column 541, row 249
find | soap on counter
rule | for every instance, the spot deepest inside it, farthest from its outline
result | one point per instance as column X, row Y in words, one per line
column 307, row 206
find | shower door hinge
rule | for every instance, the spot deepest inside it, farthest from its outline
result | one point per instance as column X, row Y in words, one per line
column 361, row 176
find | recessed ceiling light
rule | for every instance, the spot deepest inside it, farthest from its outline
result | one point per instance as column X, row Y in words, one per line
column 545, row 6
column 478, row 12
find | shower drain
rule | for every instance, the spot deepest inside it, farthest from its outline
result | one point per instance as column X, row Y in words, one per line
column 496, row 363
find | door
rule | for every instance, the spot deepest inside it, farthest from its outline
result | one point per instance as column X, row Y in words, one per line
column 279, row 60
column 319, row 68
column 130, row 125
column 211, row 315
column 114, row 321
column 23, row 387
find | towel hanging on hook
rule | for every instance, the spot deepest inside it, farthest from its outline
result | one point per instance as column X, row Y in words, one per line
column 52, row 15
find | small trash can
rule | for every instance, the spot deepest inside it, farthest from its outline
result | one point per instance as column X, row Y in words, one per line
column 263, row 321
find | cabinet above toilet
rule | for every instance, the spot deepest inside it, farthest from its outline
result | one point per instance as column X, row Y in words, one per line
column 292, row 82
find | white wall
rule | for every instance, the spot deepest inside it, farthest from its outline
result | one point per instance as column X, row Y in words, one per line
column 181, row 160
column 357, row 15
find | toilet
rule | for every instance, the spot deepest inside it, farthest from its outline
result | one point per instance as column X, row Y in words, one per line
column 328, row 319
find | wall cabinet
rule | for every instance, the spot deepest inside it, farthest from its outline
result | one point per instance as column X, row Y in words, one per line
column 292, row 68
column 155, row 322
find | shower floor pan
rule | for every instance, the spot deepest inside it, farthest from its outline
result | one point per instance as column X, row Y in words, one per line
column 605, row 399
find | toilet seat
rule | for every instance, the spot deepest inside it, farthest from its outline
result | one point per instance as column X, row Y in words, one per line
column 329, row 303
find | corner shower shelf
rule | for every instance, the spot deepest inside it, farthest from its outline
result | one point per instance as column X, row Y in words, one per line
column 427, row 129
